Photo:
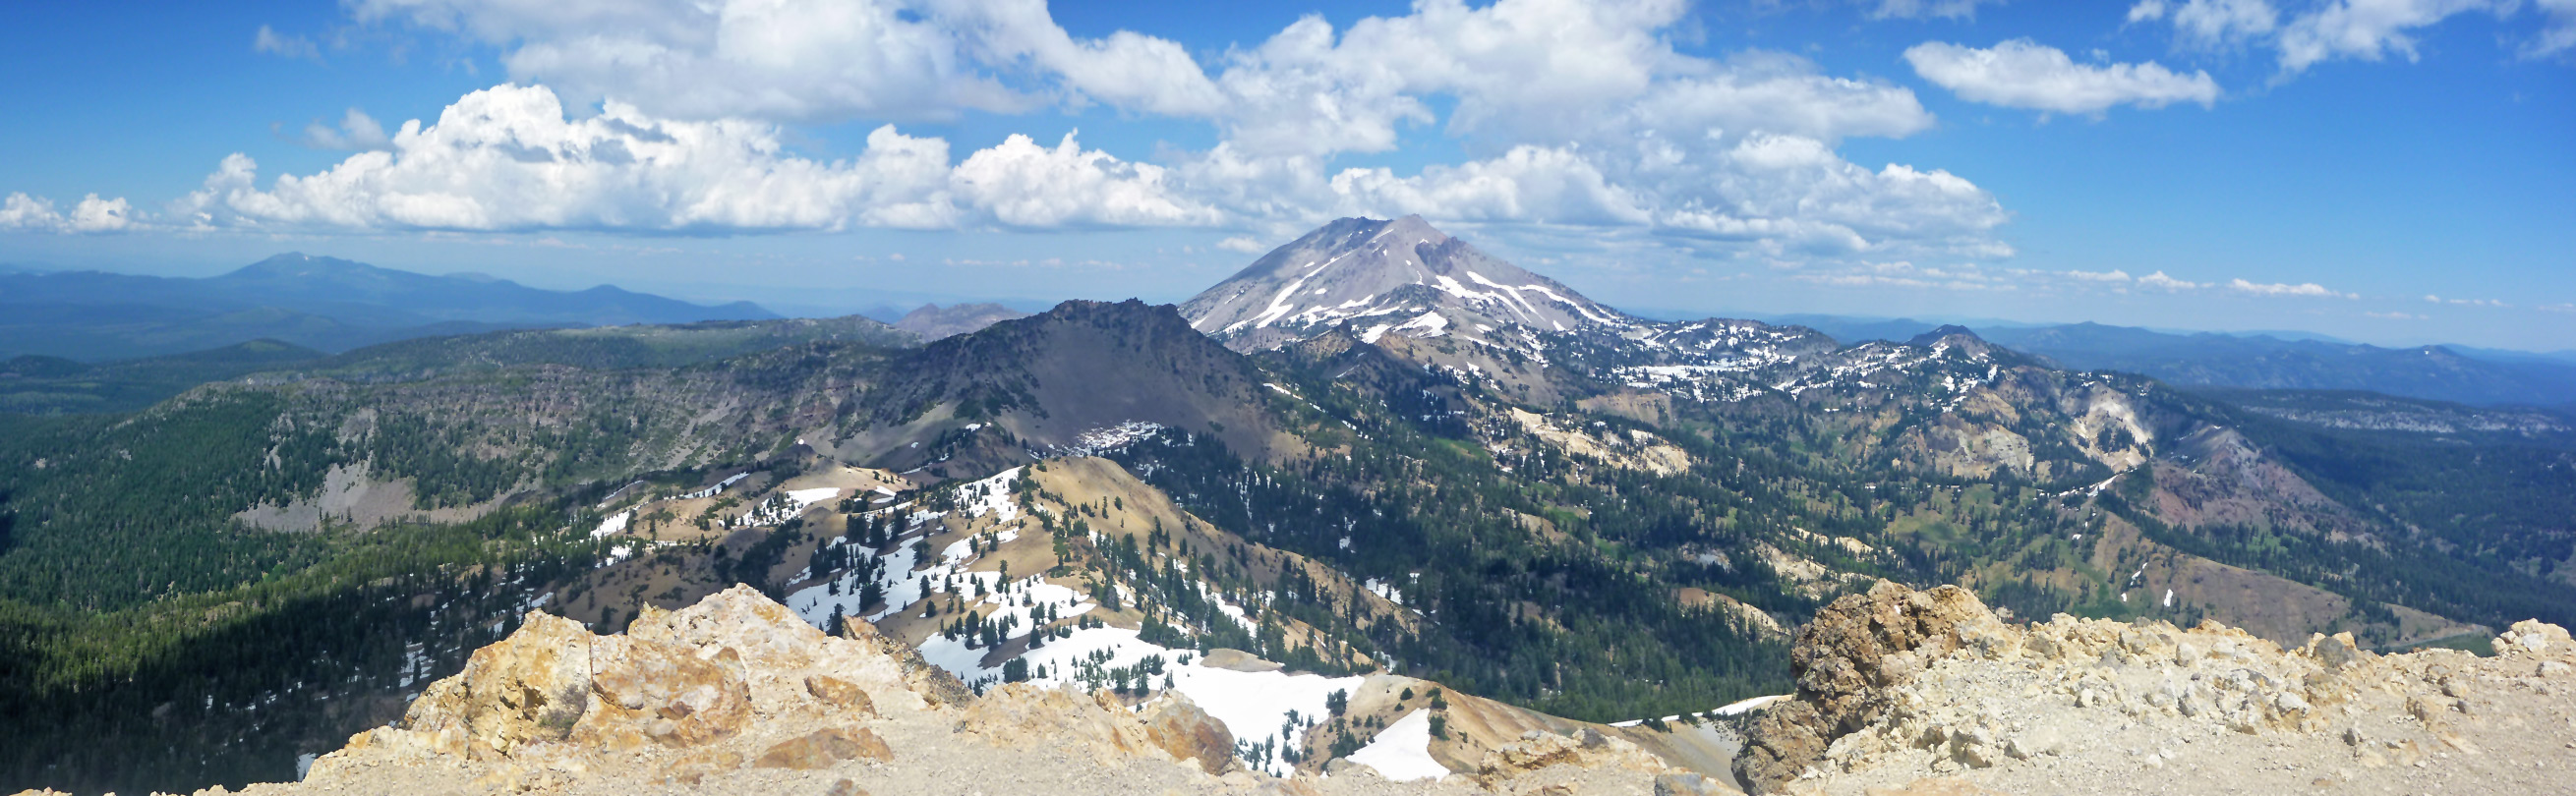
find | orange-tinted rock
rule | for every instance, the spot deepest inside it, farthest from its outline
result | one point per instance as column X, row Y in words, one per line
column 532, row 686
column 824, row 749
column 840, row 693
column 1178, row 726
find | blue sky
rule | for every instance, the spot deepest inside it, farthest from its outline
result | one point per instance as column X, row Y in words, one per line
column 2393, row 171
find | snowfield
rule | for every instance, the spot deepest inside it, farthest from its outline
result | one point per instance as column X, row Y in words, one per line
column 1255, row 706
column 992, row 497
column 613, row 525
column 1402, row 751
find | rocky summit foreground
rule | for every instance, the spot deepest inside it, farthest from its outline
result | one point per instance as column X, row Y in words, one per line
column 1900, row 692
column 737, row 695
column 1903, row 691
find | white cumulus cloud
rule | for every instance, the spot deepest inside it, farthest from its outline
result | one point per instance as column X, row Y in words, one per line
column 1919, row 9
column 2160, row 281
column 2368, row 29
column 1568, row 112
column 1529, row 183
column 2120, row 280
column 2211, row 24
column 2024, row 74
column 508, row 158
column 2461, row 302
column 2306, row 289
column 268, row 40
column 23, row 213
column 1026, row 185
column 771, row 59
column 2559, row 33
column 2113, row 275
column 357, row 130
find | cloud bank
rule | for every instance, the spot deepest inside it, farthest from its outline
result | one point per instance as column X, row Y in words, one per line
column 23, row 213
column 1570, row 113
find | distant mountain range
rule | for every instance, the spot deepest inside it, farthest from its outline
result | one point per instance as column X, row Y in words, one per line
column 34, row 384
column 322, row 303
column 2265, row 360
column 934, row 322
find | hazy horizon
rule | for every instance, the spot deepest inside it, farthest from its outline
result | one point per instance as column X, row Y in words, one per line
column 808, row 302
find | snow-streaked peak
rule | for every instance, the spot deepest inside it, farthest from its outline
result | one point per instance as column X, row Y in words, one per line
column 1401, row 276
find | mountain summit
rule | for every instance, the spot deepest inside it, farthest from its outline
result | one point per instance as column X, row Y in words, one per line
column 1398, row 276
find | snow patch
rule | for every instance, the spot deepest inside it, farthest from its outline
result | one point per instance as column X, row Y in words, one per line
column 1432, row 324
column 1106, row 439
column 1402, row 751
column 808, row 497
column 1749, row 705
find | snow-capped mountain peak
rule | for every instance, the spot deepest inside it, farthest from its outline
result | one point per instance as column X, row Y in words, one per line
column 1400, row 276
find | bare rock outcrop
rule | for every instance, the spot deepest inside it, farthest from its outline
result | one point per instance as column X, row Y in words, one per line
column 1898, row 687
column 737, row 693
column 824, row 748
column 1180, row 728
column 1169, row 727
column 1900, row 692
column 685, row 693
column 933, row 684
column 1845, row 660
column 1585, row 750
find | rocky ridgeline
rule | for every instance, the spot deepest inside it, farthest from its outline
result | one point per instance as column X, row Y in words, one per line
column 737, row 695
column 1900, row 692
column 1928, row 691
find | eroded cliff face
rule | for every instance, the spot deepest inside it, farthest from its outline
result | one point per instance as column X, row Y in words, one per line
column 1896, row 686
